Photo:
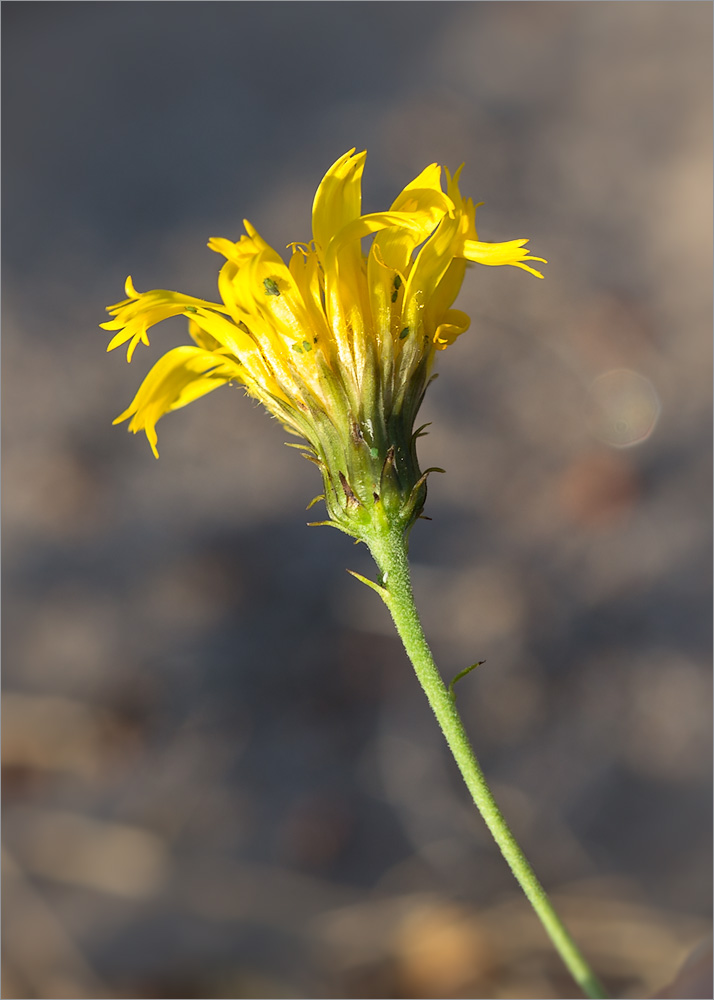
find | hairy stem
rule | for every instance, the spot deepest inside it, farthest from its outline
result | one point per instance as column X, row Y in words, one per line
column 390, row 553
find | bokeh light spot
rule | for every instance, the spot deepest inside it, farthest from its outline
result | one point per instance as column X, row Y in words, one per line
column 622, row 408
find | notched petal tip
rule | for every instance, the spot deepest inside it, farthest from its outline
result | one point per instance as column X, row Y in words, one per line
column 531, row 270
column 511, row 252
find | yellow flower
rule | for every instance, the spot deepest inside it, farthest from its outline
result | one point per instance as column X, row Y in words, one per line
column 337, row 345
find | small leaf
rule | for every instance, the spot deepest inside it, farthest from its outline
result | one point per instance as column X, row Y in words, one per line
column 463, row 674
column 370, row 583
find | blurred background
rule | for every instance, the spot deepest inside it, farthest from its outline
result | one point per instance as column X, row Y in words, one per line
column 221, row 777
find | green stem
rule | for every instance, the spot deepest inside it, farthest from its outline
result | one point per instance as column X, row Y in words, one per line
column 390, row 553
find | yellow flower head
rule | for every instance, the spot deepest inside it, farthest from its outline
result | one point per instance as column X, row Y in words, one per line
column 337, row 345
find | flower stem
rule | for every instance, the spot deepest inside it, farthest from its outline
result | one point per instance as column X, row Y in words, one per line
column 389, row 549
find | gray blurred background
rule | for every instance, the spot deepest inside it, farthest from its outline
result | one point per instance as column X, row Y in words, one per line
column 221, row 777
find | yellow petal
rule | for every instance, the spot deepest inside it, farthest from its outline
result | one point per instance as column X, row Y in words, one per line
column 338, row 200
column 455, row 323
column 225, row 332
column 373, row 223
column 424, row 204
column 132, row 317
column 271, row 293
column 179, row 377
column 430, row 266
column 243, row 346
column 206, row 341
column 495, row 254
column 446, row 291
column 241, row 251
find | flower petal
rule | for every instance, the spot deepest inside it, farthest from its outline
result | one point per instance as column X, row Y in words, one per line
column 133, row 316
column 338, row 200
column 494, row 254
column 455, row 323
column 179, row 377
